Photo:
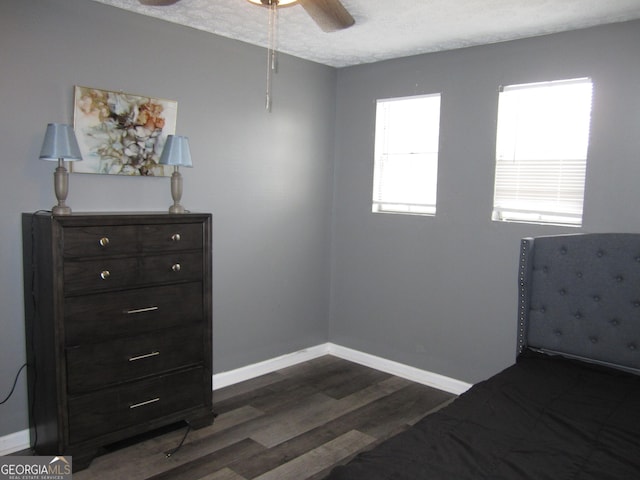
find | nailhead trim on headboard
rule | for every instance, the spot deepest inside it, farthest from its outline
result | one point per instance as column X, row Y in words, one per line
column 523, row 306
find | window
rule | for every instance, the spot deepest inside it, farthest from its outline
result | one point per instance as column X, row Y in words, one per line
column 406, row 155
column 541, row 152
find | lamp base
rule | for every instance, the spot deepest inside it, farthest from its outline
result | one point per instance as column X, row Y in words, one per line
column 61, row 210
column 61, row 187
column 176, row 208
column 176, row 191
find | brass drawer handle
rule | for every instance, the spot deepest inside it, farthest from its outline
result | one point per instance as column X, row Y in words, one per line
column 176, row 237
column 141, row 357
column 176, row 267
column 104, row 241
column 142, row 404
column 141, row 310
column 105, row 274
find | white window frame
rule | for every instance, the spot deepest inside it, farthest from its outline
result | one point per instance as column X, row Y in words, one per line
column 541, row 157
column 406, row 155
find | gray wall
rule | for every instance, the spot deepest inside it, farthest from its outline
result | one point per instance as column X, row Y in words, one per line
column 436, row 293
column 265, row 177
column 439, row 293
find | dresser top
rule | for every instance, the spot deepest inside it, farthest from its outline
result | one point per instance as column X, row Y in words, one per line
column 85, row 218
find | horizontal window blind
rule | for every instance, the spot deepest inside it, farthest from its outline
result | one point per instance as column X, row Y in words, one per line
column 541, row 152
column 406, row 155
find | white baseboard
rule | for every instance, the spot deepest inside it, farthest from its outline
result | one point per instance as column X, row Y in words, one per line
column 20, row 440
column 224, row 379
column 14, row 442
column 424, row 377
column 451, row 385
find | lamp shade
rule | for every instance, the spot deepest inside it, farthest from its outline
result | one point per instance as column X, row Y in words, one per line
column 176, row 152
column 60, row 143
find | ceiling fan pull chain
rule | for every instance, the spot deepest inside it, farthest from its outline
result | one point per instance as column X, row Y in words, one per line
column 274, row 37
column 272, row 54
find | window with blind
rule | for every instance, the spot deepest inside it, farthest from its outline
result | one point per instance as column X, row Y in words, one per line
column 541, row 152
column 406, row 155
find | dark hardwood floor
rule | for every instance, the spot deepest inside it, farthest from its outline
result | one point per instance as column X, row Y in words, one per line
column 296, row 423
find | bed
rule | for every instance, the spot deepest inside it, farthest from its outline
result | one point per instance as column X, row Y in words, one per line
column 569, row 407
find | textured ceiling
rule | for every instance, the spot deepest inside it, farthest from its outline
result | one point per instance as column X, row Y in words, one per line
column 391, row 28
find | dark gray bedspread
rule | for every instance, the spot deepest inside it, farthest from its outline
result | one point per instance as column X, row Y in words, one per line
column 543, row 418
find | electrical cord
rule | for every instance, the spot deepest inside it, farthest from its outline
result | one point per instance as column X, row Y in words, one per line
column 15, row 381
column 175, row 450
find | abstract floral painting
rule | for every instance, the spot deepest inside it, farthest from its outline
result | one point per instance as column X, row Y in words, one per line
column 120, row 133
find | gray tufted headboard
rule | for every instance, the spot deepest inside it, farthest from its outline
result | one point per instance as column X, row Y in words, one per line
column 579, row 296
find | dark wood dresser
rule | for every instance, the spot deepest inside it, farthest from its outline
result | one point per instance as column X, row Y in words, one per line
column 118, row 327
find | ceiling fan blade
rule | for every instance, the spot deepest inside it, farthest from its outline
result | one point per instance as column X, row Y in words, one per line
column 330, row 15
column 158, row 3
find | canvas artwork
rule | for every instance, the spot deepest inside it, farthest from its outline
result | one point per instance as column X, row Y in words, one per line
column 120, row 133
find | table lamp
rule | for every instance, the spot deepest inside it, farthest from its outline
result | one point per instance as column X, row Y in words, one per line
column 176, row 152
column 60, row 144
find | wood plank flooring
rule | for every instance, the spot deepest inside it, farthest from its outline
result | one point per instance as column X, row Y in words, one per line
column 296, row 423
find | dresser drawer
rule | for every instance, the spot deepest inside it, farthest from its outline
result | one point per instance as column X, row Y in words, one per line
column 180, row 236
column 104, row 316
column 113, row 273
column 115, row 408
column 102, row 240
column 122, row 239
column 94, row 366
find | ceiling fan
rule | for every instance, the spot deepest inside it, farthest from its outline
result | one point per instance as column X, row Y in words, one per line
column 330, row 15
